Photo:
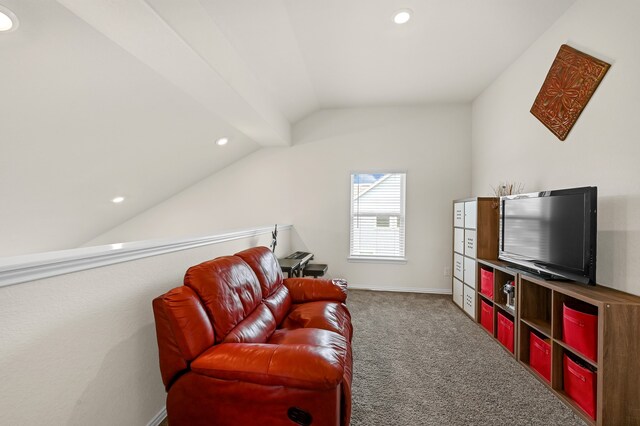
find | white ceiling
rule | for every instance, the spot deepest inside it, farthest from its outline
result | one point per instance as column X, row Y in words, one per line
column 125, row 97
column 314, row 54
column 82, row 121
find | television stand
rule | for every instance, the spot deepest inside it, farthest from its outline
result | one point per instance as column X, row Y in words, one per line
column 539, row 310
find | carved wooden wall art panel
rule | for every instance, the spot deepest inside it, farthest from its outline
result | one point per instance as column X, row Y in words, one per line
column 566, row 90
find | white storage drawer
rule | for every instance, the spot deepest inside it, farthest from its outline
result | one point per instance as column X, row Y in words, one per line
column 458, row 240
column 458, row 266
column 470, row 243
column 470, row 214
column 469, row 273
column 469, row 301
column 457, row 293
column 458, row 214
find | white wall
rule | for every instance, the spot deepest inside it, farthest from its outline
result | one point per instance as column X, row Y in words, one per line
column 432, row 145
column 80, row 349
column 308, row 185
column 602, row 149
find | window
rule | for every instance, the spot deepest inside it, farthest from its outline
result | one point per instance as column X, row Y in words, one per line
column 382, row 221
column 377, row 216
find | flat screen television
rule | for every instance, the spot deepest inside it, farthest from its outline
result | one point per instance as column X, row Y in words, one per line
column 551, row 233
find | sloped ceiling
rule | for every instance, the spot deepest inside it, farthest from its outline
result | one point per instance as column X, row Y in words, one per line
column 352, row 54
column 126, row 97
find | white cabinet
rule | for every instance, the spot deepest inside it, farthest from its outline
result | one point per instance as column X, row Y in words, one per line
column 458, row 240
column 469, row 272
column 457, row 292
column 469, row 242
column 469, row 295
column 458, row 215
column 458, row 266
column 470, row 214
column 464, row 254
column 475, row 236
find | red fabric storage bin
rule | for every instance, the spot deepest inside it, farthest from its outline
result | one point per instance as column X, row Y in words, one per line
column 486, row 316
column 505, row 331
column 540, row 355
column 580, row 385
column 580, row 331
column 486, row 283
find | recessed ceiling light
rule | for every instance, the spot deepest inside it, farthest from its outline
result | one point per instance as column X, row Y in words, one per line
column 222, row 141
column 402, row 16
column 117, row 200
column 8, row 20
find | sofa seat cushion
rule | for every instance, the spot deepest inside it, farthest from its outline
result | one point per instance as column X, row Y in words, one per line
column 309, row 336
column 299, row 366
column 332, row 316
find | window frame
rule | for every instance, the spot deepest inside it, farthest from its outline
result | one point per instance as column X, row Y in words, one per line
column 378, row 258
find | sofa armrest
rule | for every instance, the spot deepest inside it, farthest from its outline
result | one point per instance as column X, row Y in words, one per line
column 297, row 366
column 313, row 289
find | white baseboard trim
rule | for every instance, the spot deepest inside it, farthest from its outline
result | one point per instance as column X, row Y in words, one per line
column 162, row 414
column 402, row 289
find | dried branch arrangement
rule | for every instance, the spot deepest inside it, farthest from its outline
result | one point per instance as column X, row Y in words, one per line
column 508, row 188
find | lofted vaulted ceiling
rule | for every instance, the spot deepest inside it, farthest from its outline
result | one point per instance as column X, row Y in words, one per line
column 314, row 54
column 126, row 97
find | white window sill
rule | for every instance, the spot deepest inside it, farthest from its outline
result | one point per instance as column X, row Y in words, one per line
column 372, row 259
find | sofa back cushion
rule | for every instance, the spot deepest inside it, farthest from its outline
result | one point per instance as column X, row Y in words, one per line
column 265, row 265
column 183, row 331
column 231, row 295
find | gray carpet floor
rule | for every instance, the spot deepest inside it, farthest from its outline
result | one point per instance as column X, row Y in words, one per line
column 419, row 360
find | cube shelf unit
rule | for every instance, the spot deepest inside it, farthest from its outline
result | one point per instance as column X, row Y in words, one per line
column 539, row 309
column 617, row 367
column 501, row 274
column 475, row 235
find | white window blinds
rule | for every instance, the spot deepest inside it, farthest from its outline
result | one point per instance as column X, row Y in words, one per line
column 377, row 215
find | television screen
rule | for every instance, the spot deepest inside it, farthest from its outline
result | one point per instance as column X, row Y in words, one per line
column 552, row 232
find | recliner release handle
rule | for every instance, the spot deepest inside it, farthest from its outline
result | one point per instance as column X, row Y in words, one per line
column 299, row 416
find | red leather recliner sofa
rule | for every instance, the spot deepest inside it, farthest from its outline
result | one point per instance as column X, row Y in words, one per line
column 240, row 345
